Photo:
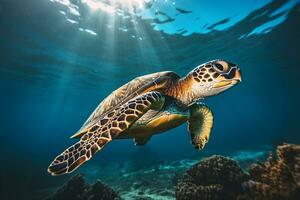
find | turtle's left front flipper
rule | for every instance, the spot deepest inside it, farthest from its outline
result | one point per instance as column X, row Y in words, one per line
column 104, row 130
column 200, row 124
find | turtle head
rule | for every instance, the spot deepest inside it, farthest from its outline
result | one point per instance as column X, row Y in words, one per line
column 214, row 77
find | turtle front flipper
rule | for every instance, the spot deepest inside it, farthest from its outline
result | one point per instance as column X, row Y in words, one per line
column 103, row 131
column 200, row 124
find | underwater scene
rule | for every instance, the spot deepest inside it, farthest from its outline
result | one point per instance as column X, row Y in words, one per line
column 213, row 114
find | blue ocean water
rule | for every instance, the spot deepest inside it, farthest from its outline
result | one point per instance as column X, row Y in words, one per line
column 60, row 58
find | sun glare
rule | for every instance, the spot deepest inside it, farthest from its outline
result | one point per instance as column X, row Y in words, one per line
column 111, row 6
column 98, row 5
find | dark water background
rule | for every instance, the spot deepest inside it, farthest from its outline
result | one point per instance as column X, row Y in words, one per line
column 52, row 76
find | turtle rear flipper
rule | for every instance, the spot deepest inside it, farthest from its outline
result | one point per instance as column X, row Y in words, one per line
column 140, row 141
column 102, row 132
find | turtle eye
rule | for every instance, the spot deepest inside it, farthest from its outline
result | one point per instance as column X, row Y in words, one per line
column 219, row 67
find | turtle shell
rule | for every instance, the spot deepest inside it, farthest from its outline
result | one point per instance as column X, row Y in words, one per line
column 156, row 81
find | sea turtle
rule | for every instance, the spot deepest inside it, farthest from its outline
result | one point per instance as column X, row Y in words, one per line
column 149, row 105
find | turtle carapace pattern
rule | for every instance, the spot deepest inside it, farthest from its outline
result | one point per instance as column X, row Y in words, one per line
column 149, row 105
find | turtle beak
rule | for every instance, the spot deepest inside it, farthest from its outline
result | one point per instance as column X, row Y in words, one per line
column 230, row 79
column 237, row 75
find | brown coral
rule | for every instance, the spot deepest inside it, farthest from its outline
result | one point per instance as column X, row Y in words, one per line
column 278, row 178
column 217, row 177
column 221, row 178
column 77, row 189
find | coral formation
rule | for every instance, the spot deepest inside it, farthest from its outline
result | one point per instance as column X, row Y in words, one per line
column 278, row 178
column 214, row 178
column 217, row 177
column 77, row 189
column 221, row 178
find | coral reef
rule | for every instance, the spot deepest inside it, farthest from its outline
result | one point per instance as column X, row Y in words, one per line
column 77, row 189
column 278, row 178
column 217, row 177
column 221, row 178
column 213, row 178
column 151, row 182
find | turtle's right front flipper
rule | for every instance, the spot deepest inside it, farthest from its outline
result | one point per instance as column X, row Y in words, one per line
column 103, row 131
column 200, row 124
